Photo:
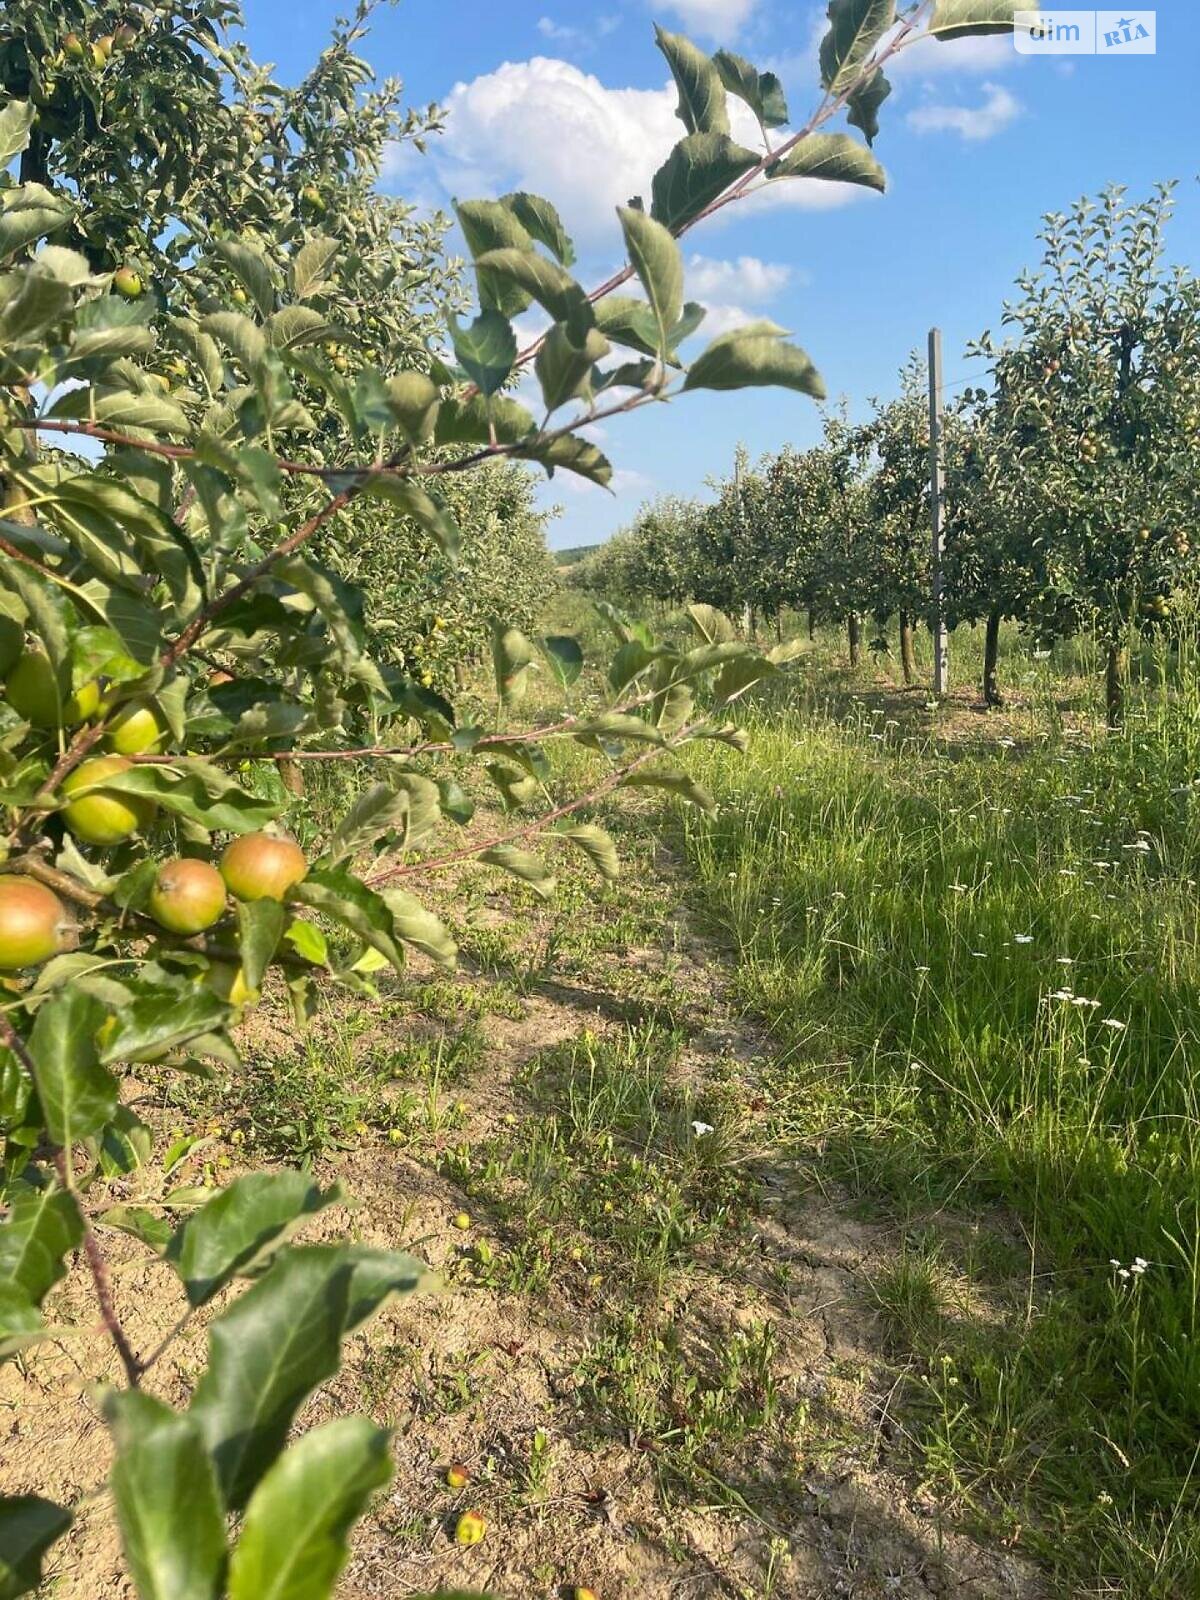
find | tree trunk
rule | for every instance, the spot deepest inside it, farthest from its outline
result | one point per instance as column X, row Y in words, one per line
column 991, row 654
column 812, row 622
column 854, row 638
column 1116, row 667
column 908, row 657
column 291, row 774
column 33, row 158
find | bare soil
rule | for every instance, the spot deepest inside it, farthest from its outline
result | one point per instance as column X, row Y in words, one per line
column 468, row 1373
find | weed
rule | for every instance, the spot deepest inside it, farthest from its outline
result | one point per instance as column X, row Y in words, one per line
column 909, row 1296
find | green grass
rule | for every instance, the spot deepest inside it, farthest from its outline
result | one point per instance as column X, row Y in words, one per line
column 614, row 1190
column 909, row 917
column 606, row 1172
column 983, row 970
column 911, row 1299
column 338, row 1086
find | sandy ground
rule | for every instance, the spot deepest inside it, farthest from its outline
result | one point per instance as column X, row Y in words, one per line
column 467, row 1373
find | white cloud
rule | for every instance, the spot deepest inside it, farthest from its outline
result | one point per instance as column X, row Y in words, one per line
column 718, row 319
column 974, row 123
column 747, row 278
column 625, row 483
column 717, row 18
column 549, row 29
column 578, row 38
column 931, row 57
column 727, row 288
column 548, row 126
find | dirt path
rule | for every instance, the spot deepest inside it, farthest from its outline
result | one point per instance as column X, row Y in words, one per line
column 711, row 1421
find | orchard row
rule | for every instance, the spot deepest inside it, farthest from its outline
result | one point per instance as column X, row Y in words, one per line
column 1072, row 473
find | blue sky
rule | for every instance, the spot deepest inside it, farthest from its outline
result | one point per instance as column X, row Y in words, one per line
column 569, row 98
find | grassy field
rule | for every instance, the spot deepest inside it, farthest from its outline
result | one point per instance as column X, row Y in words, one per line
column 974, row 940
column 816, row 1207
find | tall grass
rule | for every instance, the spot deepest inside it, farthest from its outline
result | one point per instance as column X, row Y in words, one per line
column 983, row 968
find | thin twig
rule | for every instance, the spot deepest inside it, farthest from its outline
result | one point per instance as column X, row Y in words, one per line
column 613, row 781
column 151, row 447
column 828, row 107
column 31, row 865
column 10, row 550
column 97, row 1265
column 169, row 1338
column 566, row 728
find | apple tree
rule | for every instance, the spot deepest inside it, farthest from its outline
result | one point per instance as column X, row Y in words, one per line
column 428, row 612
column 992, row 568
column 1094, row 419
column 833, row 481
column 655, row 559
column 736, row 562
column 896, row 444
column 167, row 621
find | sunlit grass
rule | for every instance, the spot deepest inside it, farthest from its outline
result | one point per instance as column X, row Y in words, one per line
column 983, row 970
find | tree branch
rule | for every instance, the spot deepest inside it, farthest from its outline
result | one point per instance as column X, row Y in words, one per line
column 538, row 825
column 88, row 736
column 10, row 550
column 98, row 1267
column 549, row 730
column 93, row 1254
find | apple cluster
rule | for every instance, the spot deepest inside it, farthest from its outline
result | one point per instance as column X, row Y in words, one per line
column 189, row 894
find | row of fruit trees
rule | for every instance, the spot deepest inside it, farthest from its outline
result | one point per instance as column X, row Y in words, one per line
column 1072, row 473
